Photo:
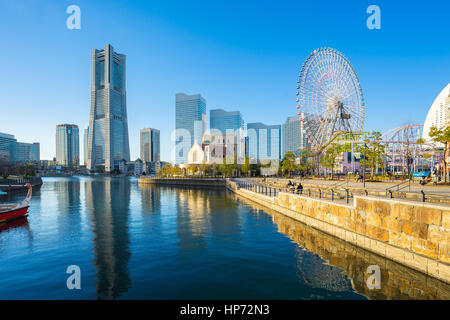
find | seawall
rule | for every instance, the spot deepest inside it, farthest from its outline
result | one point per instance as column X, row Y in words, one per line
column 211, row 183
column 413, row 234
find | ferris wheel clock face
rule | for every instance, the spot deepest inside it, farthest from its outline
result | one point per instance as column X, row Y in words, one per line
column 329, row 97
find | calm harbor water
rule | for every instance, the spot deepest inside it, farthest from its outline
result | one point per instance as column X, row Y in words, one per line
column 152, row 242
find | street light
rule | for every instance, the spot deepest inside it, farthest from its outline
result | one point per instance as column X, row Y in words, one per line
column 364, row 165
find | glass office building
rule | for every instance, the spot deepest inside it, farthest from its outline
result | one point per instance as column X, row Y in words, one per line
column 67, row 145
column 190, row 123
column 263, row 141
column 226, row 121
column 15, row 152
column 293, row 135
column 108, row 125
column 150, row 146
column 6, row 142
column 26, row 152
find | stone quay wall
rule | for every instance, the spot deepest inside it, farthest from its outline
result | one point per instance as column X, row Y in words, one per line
column 414, row 234
column 186, row 182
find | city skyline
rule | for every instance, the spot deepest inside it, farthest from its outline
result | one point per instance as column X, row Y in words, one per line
column 228, row 67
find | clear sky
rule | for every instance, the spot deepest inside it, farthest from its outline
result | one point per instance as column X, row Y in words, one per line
column 239, row 55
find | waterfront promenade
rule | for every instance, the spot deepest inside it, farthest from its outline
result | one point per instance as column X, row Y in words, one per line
column 406, row 190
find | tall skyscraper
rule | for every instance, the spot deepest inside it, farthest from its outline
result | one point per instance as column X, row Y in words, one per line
column 85, row 145
column 293, row 135
column 150, row 147
column 108, row 125
column 190, row 123
column 67, row 145
column 226, row 121
column 264, row 142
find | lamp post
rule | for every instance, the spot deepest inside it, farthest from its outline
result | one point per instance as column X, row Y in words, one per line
column 364, row 165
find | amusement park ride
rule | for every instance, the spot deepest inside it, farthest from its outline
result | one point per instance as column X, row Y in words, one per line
column 331, row 109
column 329, row 97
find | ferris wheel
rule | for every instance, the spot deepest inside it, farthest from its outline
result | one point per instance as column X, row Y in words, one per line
column 329, row 97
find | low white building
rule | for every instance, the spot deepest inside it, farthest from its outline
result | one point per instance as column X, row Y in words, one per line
column 196, row 155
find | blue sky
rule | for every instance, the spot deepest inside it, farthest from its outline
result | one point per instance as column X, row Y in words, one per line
column 240, row 55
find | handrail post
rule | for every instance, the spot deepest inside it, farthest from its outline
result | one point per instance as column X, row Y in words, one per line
column 332, row 195
column 320, row 194
column 423, row 195
column 346, row 195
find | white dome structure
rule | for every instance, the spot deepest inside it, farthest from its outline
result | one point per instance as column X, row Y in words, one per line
column 438, row 115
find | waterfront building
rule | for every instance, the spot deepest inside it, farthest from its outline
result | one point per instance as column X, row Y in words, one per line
column 293, row 135
column 123, row 166
column 229, row 122
column 154, row 167
column 264, row 141
column 26, row 152
column 215, row 148
column 108, row 125
column 15, row 152
column 196, row 155
column 138, row 167
column 150, row 145
column 6, row 142
column 190, row 124
column 221, row 148
column 67, row 145
column 438, row 114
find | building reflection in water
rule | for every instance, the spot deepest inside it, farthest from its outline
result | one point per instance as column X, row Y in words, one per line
column 150, row 200
column 193, row 206
column 346, row 260
column 196, row 218
column 69, row 207
column 108, row 200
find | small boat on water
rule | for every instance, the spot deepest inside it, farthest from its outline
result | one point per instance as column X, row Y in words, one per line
column 13, row 211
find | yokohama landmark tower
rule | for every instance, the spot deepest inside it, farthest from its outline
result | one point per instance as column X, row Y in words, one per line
column 108, row 125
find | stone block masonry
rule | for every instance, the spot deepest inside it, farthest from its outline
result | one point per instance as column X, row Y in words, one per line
column 184, row 182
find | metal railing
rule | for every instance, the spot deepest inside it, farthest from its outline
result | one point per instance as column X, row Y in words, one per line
column 337, row 192
column 320, row 193
column 341, row 183
column 422, row 195
column 396, row 188
column 258, row 188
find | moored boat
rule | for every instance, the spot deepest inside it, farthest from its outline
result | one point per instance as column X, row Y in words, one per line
column 13, row 211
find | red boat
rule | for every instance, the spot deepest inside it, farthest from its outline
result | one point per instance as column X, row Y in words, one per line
column 11, row 211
